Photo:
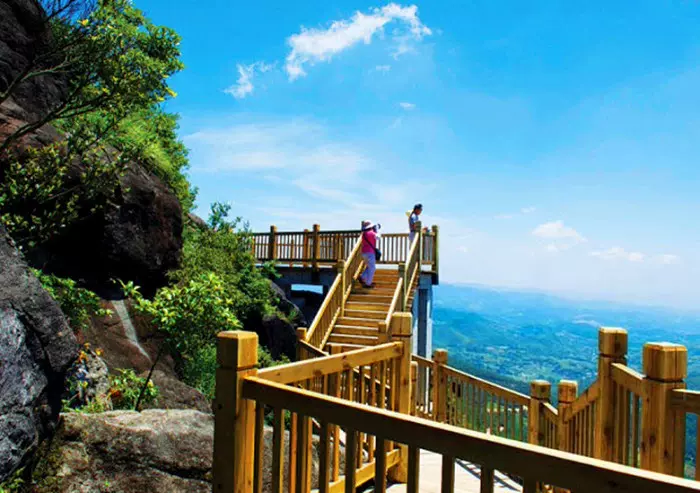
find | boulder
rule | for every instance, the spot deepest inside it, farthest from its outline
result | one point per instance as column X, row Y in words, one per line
column 279, row 336
column 36, row 349
column 173, row 394
column 156, row 451
column 136, row 236
column 292, row 311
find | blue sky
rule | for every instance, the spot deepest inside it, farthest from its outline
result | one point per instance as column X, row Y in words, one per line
column 555, row 143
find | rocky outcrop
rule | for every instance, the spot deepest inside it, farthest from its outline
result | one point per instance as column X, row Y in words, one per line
column 155, row 451
column 36, row 349
column 173, row 394
column 136, row 236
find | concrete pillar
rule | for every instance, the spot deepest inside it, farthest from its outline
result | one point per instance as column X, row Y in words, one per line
column 423, row 320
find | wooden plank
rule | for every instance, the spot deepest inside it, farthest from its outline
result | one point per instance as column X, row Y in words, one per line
column 302, row 370
column 686, row 400
column 628, row 378
column 589, row 396
column 489, row 387
column 547, row 465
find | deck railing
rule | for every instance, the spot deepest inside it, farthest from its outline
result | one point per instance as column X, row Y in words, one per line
column 361, row 402
column 333, row 304
column 324, row 248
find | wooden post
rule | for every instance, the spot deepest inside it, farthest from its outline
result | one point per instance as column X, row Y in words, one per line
column 540, row 392
column 316, row 246
column 439, row 385
column 272, row 244
column 566, row 395
column 402, row 275
column 301, row 336
column 234, row 417
column 401, row 325
column 383, row 330
column 340, row 269
column 419, row 225
column 612, row 348
column 663, row 429
column 305, row 249
column 436, row 252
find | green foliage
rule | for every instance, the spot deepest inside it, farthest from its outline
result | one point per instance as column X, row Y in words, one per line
column 225, row 249
column 125, row 388
column 40, row 192
column 269, row 270
column 14, row 484
column 77, row 304
column 119, row 63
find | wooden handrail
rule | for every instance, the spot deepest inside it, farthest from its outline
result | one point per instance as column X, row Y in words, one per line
column 398, row 291
column 327, row 365
column 583, row 401
column 628, row 378
column 492, row 388
column 685, row 400
column 532, row 463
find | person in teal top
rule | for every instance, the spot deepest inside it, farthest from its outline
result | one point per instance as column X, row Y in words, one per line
column 413, row 218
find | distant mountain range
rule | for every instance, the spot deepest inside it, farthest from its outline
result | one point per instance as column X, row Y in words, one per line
column 513, row 337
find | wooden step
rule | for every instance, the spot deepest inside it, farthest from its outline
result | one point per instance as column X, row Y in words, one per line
column 353, row 339
column 349, row 347
column 378, row 307
column 378, row 316
column 353, row 330
column 370, row 298
column 358, row 322
column 374, row 291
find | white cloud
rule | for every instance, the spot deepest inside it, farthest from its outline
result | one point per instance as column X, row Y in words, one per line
column 557, row 230
column 244, row 85
column 523, row 211
column 528, row 210
column 505, row 216
column 669, row 259
column 618, row 253
column 382, row 68
column 319, row 45
column 407, row 106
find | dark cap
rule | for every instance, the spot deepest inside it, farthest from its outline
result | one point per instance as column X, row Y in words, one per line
column 417, row 206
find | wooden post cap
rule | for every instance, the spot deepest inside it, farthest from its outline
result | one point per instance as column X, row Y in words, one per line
column 440, row 356
column 340, row 265
column 316, row 227
column 414, row 371
column 540, row 389
column 566, row 391
column 237, row 349
column 301, row 333
column 665, row 362
column 612, row 341
column 401, row 324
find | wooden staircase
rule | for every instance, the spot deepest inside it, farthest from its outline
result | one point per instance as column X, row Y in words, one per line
column 365, row 310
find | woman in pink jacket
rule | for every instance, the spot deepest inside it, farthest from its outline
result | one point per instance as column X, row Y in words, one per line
column 369, row 252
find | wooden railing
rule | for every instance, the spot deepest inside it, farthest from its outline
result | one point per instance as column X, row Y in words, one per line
column 323, row 248
column 577, row 417
column 380, row 438
column 334, row 303
column 687, row 402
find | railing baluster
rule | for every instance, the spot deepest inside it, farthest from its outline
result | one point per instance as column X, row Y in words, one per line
column 486, row 480
column 278, row 450
column 380, row 466
column 350, row 459
column 448, row 474
column 529, row 485
column 413, row 469
column 324, row 458
column 259, row 447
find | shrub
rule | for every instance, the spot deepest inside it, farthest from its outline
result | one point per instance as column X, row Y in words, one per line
column 77, row 304
column 125, row 388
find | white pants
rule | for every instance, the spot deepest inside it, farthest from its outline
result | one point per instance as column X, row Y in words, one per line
column 371, row 261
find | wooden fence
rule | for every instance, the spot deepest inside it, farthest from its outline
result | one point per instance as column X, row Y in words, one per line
column 362, row 404
column 317, row 248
